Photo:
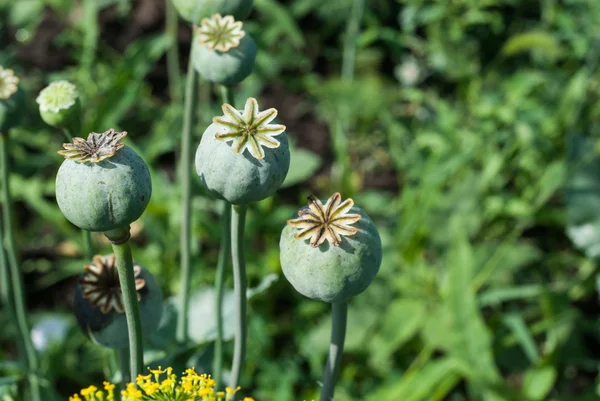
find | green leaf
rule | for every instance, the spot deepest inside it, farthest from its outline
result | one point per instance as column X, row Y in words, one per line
column 303, row 164
column 517, row 326
column 537, row 41
column 404, row 318
column 202, row 322
column 538, row 381
column 420, row 384
column 457, row 326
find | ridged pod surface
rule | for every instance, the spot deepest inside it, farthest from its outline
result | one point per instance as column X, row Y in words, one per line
column 104, row 195
column 224, row 68
column 332, row 273
column 110, row 329
column 240, row 179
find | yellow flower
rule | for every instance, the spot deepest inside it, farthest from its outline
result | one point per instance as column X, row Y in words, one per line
column 191, row 387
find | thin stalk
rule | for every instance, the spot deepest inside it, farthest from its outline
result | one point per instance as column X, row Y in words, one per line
column 6, row 292
column 226, row 94
column 219, row 289
column 90, row 34
column 5, row 288
column 339, row 316
column 122, row 251
column 226, row 97
column 238, row 221
column 185, row 169
column 172, row 52
column 16, row 275
column 124, row 367
column 341, row 126
column 87, row 244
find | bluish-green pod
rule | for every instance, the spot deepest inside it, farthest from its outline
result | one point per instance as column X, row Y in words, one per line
column 241, row 178
column 332, row 273
column 105, row 195
column 110, row 329
column 195, row 10
column 224, row 68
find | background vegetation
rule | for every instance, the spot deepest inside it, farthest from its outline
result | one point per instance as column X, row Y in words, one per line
column 472, row 138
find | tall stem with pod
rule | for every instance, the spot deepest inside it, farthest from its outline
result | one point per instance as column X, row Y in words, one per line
column 104, row 186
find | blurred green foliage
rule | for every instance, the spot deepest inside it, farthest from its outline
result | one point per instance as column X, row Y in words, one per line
column 473, row 140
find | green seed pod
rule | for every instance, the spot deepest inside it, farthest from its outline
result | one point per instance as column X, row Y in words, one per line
column 12, row 100
column 231, row 173
column 102, row 185
column 99, row 306
column 60, row 106
column 221, row 51
column 195, row 10
column 336, row 270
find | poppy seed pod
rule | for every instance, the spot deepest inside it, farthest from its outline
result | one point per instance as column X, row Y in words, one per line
column 332, row 251
column 222, row 52
column 243, row 172
column 99, row 306
column 194, row 10
column 102, row 185
column 60, row 106
column 12, row 100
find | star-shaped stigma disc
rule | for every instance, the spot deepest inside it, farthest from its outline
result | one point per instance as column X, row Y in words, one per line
column 100, row 284
column 327, row 221
column 220, row 33
column 97, row 147
column 250, row 129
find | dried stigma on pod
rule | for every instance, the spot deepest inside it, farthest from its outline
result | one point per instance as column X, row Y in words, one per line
column 96, row 148
column 327, row 221
column 220, row 33
column 100, row 284
column 250, row 129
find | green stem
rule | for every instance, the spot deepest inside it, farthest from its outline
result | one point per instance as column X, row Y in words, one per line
column 5, row 289
column 124, row 367
column 185, row 169
column 342, row 124
column 16, row 275
column 339, row 316
column 226, row 94
column 238, row 218
column 90, row 33
column 219, row 289
column 68, row 134
column 87, row 245
column 122, row 250
column 173, row 53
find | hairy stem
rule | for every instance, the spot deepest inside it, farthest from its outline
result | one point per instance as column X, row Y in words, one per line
column 185, row 169
column 122, row 250
column 16, row 274
column 238, row 219
column 339, row 315
column 219, row 289
column 173, row 52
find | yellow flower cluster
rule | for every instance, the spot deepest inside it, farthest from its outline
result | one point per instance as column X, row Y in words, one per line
column 162, row 385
